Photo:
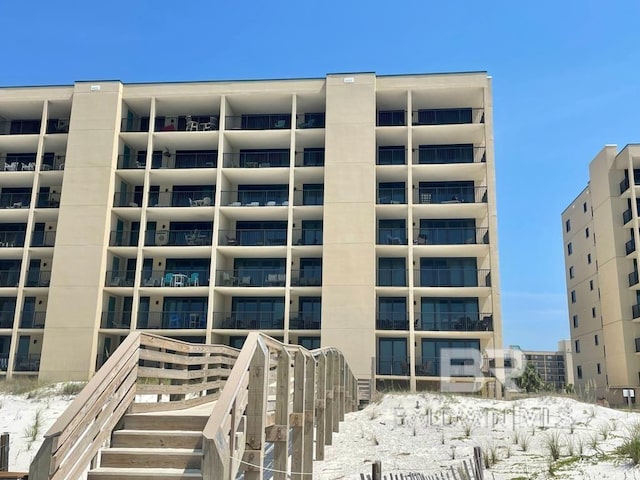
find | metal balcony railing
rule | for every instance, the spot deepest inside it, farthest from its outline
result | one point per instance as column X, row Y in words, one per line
column 630, row 246
column 134, row 124
column 255, row 198
column 391, row 156
column 12, row 239
column 196, row 319
column 275, row 121
column 392, row 195
column 58, row 125
column 177, row 277
column 635, row 311
column 48, row 200
column 310, row 277
column 20, row 127
column 193, row 198
column 452, row 277
column 310, row 158
column 187, row 123
column 428, row 366
column 249, row 320
column 52, row 163
column 393, row 366
column 38, row 278
column 178, row 238
column 454, row 322
column 624, row 185
column 120, row 278
column 304, row 321
column 391, row 118
column 447, row 116
column 186, row 160
column 451, row 236
column 4, row 362
column 257, row 159
column 392, row 236
column 308, row 197
column 307, row 236
column 42, row 238
column 627, row 215
column 637, row 342
column 18, row 162
column 391, row 277
column 15, row 200
column 310, row 120
column 448, row 154
column 111, row 319
column 123, row 238
column 452, row 194
column 9, row 278
column 27, row 363
column 254, row 277
column 32, row 319
column 252, row 237
column 127, row 199
column 386, row 321
column 6, row 318
column 633, row 278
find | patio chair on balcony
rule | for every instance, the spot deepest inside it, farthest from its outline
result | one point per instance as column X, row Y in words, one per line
column 279, row 124
column 212, row 124
column 194, row 280
column 245, row 281
column 11, row 167
column 191, row 126
column 206, row 201
column 167, row 281
column 230, row 240
column 310, row 124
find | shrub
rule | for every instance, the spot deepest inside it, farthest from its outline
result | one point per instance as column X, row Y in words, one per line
column 553, row 445
column 631, row 446
column 525, row 441
column 72, row 388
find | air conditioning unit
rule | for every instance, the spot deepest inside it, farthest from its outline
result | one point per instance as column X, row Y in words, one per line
column 162, row 237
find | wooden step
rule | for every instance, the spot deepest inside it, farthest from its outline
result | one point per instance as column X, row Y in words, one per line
column 145, row 421
column 156, row 439
column 142, row 474
column 151, row 458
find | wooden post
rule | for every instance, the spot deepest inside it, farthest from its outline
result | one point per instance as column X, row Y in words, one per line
column 321, row 410
column 281, row 428
column 336, row 391
column 328, row 425
column 4, row 452
column 253, row 457
column 298, row 423
column 477, row 463
column 309, row 404
column 342, row 389
column 376, row 470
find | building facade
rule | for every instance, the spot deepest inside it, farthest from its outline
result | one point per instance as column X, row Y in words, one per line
column 555, row 368
column 356, row 211
column 602, row 275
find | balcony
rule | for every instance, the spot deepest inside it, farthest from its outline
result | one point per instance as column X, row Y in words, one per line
column 19, row 162
column 454, row 322
column 447, row 195
column 181, row 278
column 451, row 236
column 633, row 278
column 307, row 236
column 630, row 246
column 310, row 120
column 635, row 311
column 249, row 320
column 193, row 198
column 186, row 123
column 624, row 185
column 123, row 238
column 627, row 215
column 134, row 123
column 127, row 199
column 4, row 362
column 391, row 118
column 244, row 238
column 311, row 277
column 178, row 238
column 27, row 363
column 255, row 198
column 304, row 321
column 6, row 318
column 254, row 277
column 37, row 278
column 310, row 158
column 399, row 321
column 448, row 154
column 388, row 196
column 119, row 278
column 20, row 127
column 9, row 278
column 43, row 238
column 637, row 342
column 447, row 116
column 32, row 319
column 15, row 200
column 452, row 277
column 186, row 160
column 48, row 200
column 392, row 366
column 391, row 156
column 308, row 197
column 172, row 320
column 120, row 320
column 428, row 367
column 391, row 277
column 58, row 125
column 257, row 159
column 52, row 162
column 392, row 236
column 275, row 121
column 12, row 239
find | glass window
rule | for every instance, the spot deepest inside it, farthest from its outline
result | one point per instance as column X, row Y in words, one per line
column 392, row 356
column 310, row 343
column 392, row 192
column 392, row 272
column 392, row 232
column 448, row 272
column 449, row 314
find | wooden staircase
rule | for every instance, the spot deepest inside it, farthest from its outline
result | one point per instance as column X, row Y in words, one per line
column 167, row 446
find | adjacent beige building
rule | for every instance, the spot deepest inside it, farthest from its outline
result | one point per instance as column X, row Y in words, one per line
column 555, row 368
column 356, row 211
column 599, row 230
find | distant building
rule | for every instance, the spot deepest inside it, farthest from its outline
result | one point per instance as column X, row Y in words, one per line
column 553, row 367
column 602, row 277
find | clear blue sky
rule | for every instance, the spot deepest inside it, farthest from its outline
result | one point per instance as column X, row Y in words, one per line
column 566, row 81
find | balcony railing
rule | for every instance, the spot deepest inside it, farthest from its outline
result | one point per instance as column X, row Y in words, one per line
column 428, row 366
column 255, row 198
column 20, row 127
column 385, row 321
column 307, row 278
column 391, row 156
column 304, row 321
column 257, row 159
column 6, row 318
column 624, row 185
column 254, row 277
column 18, row 162
column 627, row 215
column 310, row 158
column 630, row 246
column 454, row 322
column 134, row 124
column 637, row 341
column 307, row 236
column 310, row 120
column 4, row 362
column 173, row 320
column 177, row 277
column 187, row 160
column 451, row 236
column 392, row 236
column 308, row 197
column 635, row 311
column 123, row 238
column 447, row 116
column 15, row 200
column 58, row 125
column 194, row 198
column 38, row 278
column 120, row 278
column 392, row 195
column 9, row 278
column 178, row 238
column 452, row 277
column 52, row 162
column 451, row 195
column 32, row 319
column 187, row 123
column 446, row 154
column 393, row 366
column 27, row 363
column 48, row 200
column 246, row 238
column 276, row 121
column 633, row 278
column 127, row 199
column 43, row 238
column 116, row 319
column 392, row 277
column 391, row 118
column 249, row 320
column 12, row 239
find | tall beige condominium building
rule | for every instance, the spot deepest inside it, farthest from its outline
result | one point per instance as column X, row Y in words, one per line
column 599, row 228
column 356, row 211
